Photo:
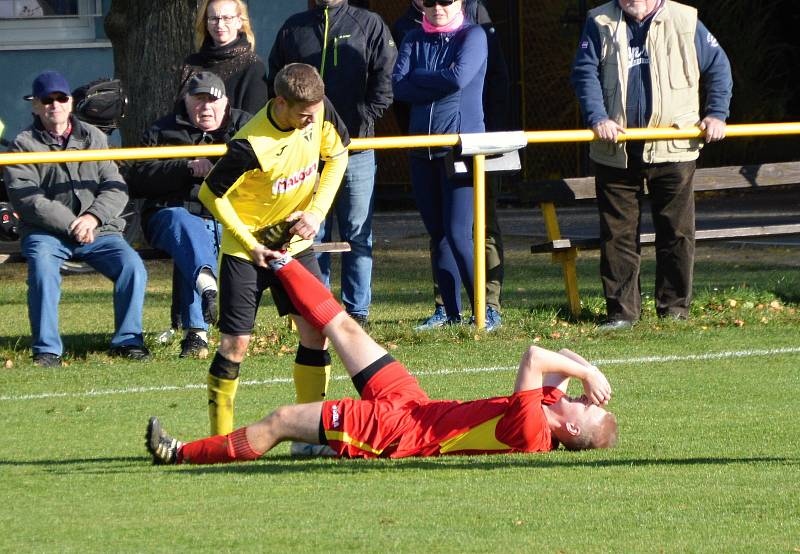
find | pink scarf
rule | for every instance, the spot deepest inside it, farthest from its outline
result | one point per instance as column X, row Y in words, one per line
column 454, row 25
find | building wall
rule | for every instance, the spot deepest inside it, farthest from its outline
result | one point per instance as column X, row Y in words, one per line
column 92, row 61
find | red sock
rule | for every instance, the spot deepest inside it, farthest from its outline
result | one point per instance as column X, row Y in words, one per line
column 314, row 302
column 220, row 449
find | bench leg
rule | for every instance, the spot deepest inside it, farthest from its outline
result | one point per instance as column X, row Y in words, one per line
column 568, row 267
column 566, row 258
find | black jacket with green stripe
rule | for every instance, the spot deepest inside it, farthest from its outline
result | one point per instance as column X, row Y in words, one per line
column 355, row 62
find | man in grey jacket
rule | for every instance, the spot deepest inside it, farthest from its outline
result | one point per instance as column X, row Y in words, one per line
column 69, row 211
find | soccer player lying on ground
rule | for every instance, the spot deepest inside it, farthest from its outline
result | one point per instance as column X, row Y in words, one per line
column 395, row 418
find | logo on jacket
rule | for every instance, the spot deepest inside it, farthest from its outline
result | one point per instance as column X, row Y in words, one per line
column 637, row 56
column 287, row 184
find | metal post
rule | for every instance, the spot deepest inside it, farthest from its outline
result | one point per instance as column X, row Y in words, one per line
column 479, row 239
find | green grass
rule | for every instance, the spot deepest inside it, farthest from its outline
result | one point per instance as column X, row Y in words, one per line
column 708, row 460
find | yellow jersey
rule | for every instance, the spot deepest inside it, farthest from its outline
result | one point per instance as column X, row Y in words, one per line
column 268, row 173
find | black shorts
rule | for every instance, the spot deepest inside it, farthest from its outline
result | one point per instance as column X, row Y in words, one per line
column 241, row 285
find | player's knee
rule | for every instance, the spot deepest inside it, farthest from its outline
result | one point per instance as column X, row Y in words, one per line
column 234, row 347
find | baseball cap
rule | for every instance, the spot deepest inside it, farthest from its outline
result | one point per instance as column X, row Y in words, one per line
column 206, row 82
column 47, row 83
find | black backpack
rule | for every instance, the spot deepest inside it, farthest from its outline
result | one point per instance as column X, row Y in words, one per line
column 102, row 103
column 9, row 223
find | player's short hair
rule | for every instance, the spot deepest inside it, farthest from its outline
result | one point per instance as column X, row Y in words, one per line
column 299, row 83
column 603, row 434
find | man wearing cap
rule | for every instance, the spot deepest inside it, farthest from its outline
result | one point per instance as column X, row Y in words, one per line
column 173, row 219
column 69, row 211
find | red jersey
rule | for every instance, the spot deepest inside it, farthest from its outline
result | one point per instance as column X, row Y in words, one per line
column 395, row 419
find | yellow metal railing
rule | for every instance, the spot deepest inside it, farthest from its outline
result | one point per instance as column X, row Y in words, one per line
column 424, row 141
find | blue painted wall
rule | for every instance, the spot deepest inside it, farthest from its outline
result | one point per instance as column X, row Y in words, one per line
column 80, row 65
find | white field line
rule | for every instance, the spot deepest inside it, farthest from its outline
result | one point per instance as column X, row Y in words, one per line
column 437, row 372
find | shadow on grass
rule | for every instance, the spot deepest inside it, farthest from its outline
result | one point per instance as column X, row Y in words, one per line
column 76, row 347
column 275, row 465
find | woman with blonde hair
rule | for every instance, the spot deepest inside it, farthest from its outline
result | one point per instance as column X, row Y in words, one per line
column 226, row 46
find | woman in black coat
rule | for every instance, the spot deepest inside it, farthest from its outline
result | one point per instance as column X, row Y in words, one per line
column 226, row 46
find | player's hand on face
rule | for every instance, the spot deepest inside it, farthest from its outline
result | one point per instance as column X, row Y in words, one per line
column 608, row 130
column 261, row 255
column 714, row 128
column 596, row 387
column 306, row 224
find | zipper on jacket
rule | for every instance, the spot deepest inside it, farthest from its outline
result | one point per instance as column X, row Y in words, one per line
column 324, row 44
column 430, row 127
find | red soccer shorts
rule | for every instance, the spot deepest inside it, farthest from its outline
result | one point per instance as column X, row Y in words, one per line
column 372, row 426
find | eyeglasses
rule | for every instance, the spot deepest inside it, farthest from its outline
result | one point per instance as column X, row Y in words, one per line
column 226, row 19
column 432, row 3
column 61, row 99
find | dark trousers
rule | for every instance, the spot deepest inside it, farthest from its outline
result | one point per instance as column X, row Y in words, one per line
column 495, row 254
column 619, row 199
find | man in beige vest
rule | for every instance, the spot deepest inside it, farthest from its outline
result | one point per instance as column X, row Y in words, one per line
column 639, row 64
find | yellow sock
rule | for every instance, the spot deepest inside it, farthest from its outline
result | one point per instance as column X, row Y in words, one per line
column 221, row 393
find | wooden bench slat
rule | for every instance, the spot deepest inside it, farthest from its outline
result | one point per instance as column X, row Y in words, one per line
column 745, row 177
column 649, row 239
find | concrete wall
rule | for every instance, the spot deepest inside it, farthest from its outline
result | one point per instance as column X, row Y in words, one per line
column 81, row 65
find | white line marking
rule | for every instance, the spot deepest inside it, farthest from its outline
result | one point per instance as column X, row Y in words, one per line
column 438, row 372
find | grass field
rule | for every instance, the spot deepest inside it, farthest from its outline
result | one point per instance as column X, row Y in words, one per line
column 708, row 460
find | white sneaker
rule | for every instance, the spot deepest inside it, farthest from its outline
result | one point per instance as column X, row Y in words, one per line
column 304, row 449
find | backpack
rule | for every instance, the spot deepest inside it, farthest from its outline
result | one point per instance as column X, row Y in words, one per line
column 9, row 223
column 102, row 103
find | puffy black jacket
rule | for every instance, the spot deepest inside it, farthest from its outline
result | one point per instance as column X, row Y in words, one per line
column 168, row 182
column 358, row 60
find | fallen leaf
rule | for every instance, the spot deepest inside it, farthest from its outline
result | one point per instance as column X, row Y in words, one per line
column 9, row 364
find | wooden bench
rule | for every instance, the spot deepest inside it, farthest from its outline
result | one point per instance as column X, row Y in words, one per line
column 564, row 250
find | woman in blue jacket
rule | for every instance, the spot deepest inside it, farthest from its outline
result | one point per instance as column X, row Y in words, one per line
column 440, row 71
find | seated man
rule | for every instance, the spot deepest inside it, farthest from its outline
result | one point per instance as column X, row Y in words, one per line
column 173, row 219
column 395, row 418
column 72, row 211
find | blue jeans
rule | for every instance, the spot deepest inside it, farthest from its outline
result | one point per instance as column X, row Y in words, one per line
column 192, row 243
column 353, row 208
column 447, row 210
column 108, row 254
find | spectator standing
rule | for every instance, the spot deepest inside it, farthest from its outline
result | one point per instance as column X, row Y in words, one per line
column 173, row 219
column 226, row 46
column 621, row 82
column 440, row 72
column 68, row 211
column 495, row 107
column 354, row 52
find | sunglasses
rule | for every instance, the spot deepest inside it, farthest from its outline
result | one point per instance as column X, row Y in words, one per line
column 432, row 3
column 61, row 99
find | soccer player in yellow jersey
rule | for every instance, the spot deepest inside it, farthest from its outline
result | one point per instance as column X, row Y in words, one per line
column 268, row 180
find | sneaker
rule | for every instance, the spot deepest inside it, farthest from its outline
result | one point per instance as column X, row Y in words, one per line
column 438, row 319
column 616, row 325
column 304, row 449
column 140, row 353
column 46, row 359
column 361, row 319
column 194, row 347
column 493, row 320
column 208, row 302
column 163, row 448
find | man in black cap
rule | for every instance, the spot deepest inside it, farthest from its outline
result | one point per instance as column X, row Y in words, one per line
column 173, row 219
column 72, row 211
